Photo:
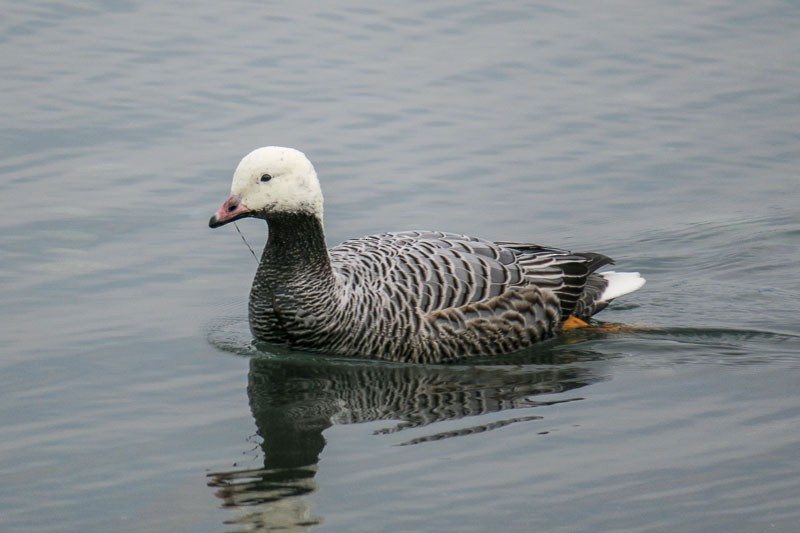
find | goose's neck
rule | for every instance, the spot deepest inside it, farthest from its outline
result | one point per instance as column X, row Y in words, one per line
column 295, row 249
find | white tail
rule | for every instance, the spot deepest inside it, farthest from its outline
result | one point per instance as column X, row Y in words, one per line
column 620, row 283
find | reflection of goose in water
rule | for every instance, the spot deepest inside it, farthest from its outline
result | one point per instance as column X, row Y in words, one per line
column 294, row 401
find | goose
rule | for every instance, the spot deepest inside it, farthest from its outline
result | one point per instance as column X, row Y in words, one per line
column 408, row 296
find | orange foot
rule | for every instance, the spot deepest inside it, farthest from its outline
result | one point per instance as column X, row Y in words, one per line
column 573, row 322
column 610, row 327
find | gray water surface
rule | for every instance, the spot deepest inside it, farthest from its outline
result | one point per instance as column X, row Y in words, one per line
column 664, row 134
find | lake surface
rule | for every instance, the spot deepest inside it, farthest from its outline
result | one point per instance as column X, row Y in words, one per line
column 665, row 135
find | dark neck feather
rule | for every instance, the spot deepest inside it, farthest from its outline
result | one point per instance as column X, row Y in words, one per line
column 296, row 247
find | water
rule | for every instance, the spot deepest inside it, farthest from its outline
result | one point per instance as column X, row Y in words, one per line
column 665, row 135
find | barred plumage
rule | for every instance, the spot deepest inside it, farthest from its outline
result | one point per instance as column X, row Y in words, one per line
column 416, row 296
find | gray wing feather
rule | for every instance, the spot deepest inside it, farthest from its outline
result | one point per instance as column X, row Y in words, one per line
column 446, row 270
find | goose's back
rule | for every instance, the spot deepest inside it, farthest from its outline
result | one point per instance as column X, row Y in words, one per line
column 437, row 296
column 446, row 270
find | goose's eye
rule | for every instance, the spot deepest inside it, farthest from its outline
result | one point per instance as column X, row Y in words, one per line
column 265, row 178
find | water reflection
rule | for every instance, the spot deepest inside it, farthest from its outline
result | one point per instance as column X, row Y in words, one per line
column 294, row 401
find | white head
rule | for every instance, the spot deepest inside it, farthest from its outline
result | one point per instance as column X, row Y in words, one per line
column 269, row 181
